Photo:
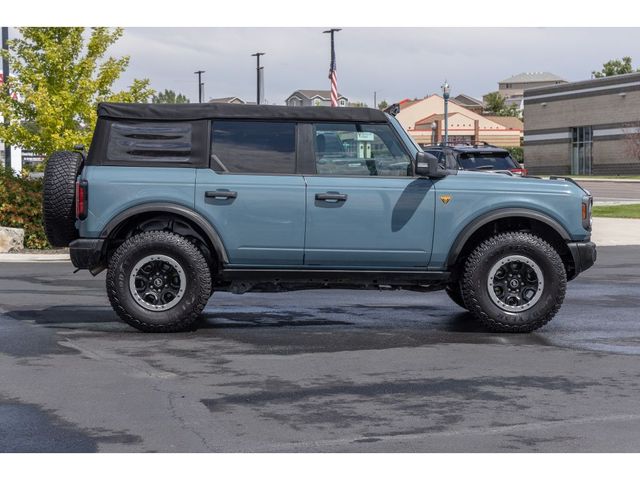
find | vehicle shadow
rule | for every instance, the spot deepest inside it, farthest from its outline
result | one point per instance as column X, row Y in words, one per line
column 439, row 326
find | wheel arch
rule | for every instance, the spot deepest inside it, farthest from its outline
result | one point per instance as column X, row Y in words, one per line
column 519, row 219
column 147, row 210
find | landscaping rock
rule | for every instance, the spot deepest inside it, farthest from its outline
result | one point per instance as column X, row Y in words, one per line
column 11, row 239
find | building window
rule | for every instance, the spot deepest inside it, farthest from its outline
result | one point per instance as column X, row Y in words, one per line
column 342, row 102
column 581, row 143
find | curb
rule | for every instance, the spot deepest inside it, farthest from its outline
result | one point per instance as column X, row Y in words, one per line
column 605, row 180
column 33, row 257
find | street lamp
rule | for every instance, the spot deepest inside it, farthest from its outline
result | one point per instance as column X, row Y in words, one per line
column 259, row 76
column 5, row 79
column 445, row 94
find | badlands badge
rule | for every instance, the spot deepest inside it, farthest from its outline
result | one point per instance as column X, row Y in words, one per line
column 445, row 198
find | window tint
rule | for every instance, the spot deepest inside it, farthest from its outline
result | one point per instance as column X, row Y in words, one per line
column 150, row 141
column 359, row 149
column 254, row 147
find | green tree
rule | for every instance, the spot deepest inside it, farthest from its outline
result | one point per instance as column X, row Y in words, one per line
column 496, row 104
column 382, row 105
column 615, row 67
column 59, row 76
column 169, row 96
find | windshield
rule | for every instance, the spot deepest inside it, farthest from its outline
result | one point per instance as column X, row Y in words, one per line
column 486, row 161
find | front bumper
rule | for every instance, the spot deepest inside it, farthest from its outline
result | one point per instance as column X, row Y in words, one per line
column 584, row 256
column 86, row 254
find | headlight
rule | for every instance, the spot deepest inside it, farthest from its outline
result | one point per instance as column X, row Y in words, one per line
column 587, row 205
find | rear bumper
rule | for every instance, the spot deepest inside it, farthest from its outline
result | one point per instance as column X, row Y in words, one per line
column 584, row 256
column 86, row 254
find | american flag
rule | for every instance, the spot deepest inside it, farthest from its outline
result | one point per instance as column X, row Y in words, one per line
column 332, row 75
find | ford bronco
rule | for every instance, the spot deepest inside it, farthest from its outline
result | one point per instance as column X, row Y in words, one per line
column 178, row 201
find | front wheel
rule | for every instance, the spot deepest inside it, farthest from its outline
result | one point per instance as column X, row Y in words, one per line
column 514, row 282
column 158, row 282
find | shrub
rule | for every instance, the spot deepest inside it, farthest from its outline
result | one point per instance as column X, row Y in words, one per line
column 21, row 207
column 517, row 153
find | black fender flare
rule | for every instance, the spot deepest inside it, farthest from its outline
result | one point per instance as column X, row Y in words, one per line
column 180, row 210
column 489, row 217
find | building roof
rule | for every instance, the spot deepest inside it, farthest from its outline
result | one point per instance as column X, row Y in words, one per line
column 440, row 116
column 202, row 111
column 527, row 77
column 225, row 100
column 467, row 101
column 513, row 123
column 310, row 94
column 604, row 83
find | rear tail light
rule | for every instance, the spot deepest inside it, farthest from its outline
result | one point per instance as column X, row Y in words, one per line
column 82, row 191
column 519, row 171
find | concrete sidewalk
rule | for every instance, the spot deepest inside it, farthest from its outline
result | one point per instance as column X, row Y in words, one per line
column 616, row 231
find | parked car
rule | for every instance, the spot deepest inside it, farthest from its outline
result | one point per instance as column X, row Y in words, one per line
column 180, row 201
column 476, row 157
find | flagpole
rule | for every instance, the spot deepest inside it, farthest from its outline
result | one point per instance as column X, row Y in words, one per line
column 332, row 68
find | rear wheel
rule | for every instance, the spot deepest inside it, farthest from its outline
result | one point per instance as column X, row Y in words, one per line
column 514, row 282
column 158, row 282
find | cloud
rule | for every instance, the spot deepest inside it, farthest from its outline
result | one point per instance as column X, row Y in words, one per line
column 395, row 62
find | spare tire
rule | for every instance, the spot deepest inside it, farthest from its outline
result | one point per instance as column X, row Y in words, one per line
column 59, row 197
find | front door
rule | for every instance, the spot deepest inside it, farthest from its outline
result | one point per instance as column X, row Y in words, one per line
column 251, row 194
column 365, row 209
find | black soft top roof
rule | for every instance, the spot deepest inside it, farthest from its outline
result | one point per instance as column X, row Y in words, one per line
column 200, row 111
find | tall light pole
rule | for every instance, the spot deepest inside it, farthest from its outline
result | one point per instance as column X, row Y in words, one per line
column 259, row 85
column 375, row 99
column 199, row 73
column 445, row 94
column 5, row 80
column 332, row 68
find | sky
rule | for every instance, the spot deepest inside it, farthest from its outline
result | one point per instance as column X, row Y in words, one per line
column 398, row 63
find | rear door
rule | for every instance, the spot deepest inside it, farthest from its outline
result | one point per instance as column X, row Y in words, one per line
column 252, row 194
column 365, row 209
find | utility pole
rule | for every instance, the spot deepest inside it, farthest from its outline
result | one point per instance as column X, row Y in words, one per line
column 259, row 73
column 375, row 99
column 200, row 84
column 5, row 80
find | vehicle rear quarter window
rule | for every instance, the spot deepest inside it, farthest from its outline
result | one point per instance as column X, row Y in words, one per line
column 150, row 142
column 239, row 146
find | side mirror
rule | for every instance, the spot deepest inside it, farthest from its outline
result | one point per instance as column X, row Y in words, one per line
column 427, row 165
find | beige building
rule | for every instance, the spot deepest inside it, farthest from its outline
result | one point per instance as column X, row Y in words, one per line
column 513, row 88
column 583, row 128
column 419, row 117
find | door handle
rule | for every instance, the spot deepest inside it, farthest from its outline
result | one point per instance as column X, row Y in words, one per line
column 336, row 197
column 220, row 194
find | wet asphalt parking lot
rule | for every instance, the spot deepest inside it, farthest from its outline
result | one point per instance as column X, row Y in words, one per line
column 319, row 370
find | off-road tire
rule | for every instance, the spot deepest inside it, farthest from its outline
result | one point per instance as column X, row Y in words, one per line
column 59, row 197
column 455, row 293
column 185, row 313
column 476, row 293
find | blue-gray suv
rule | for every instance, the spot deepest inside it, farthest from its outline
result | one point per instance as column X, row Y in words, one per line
column 178, row 201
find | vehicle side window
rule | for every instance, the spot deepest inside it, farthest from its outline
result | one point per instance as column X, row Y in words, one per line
column 239, row 146
column 150, row 142
column 359, row 149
